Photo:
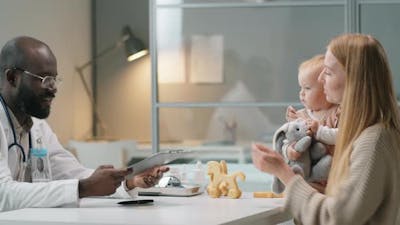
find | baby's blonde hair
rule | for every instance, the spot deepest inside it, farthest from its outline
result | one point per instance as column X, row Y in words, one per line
column 314, row 65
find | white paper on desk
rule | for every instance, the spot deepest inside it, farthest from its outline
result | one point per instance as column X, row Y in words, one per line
column 206, row 59
column 158, row 159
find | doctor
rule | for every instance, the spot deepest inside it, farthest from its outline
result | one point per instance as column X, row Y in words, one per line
column 28, row 84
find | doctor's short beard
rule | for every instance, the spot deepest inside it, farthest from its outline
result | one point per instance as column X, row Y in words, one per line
column 31, row 104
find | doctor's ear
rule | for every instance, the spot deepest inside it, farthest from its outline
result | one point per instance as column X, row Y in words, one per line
column 11, row 76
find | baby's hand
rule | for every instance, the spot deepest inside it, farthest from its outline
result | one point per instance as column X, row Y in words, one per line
column 291, row 113
column 292, row 154
column 312, row 127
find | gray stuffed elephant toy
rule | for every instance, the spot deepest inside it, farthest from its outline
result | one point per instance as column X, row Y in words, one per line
column 314, row 162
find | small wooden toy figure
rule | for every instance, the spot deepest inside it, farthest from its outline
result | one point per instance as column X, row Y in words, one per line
column 267, row 194
column 221, row 183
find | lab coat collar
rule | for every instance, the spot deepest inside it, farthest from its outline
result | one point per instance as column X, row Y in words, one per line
column 25, row 126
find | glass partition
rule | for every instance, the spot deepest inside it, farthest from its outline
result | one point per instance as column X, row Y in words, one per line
column 220, row 125
column 385, row 28
column 245, row 54
column 224, row 72
column 225, row 129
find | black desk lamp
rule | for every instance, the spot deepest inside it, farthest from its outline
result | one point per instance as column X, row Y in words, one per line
column 134, row 49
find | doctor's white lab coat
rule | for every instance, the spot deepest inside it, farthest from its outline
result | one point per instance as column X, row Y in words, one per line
column 66, row 171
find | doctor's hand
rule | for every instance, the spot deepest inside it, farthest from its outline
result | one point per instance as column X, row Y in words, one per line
column 148, row 178
column 104, row 181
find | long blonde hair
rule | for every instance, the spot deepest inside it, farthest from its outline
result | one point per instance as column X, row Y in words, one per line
column 368, row 97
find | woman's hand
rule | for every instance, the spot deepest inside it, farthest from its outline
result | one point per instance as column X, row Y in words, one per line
column 270, row 161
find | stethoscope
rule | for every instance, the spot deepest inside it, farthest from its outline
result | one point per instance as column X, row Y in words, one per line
column 15, row 143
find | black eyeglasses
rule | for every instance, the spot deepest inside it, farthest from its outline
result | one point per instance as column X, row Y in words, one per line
column 47, row 81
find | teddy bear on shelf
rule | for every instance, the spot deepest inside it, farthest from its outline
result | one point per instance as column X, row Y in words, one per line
column 314, row 162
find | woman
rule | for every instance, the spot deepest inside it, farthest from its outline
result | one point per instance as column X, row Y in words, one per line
column 365, row 175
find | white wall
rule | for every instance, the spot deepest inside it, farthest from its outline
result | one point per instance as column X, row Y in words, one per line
column 65, row 26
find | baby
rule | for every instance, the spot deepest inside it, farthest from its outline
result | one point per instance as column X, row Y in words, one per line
column 321, row 115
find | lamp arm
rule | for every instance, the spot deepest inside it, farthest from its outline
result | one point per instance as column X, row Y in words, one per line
column 102, row 53
column 96, row 113
column 89, row 93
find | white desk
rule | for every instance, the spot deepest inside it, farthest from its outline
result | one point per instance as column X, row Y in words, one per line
column 165, row 210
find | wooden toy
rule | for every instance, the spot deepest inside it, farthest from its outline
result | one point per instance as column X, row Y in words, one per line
column 221, row 183
column 267, row 194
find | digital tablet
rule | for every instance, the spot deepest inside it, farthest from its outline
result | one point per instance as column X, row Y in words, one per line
column 158, row 159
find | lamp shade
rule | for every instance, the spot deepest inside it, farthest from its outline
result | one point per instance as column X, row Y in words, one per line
column 134, row 48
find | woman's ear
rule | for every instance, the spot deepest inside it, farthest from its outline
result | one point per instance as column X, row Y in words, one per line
column 11, row 77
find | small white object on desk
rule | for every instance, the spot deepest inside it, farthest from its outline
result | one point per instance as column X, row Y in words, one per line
column 184, row 191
